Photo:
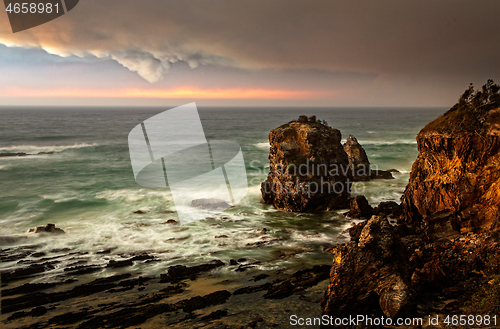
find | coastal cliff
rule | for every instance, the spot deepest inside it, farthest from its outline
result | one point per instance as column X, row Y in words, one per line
column 455, row 181
column 442, row 257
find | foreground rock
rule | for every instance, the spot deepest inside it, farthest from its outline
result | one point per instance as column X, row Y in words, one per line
column 368, row 275
column 359, row 208
column 455, row 181
column 308, row 167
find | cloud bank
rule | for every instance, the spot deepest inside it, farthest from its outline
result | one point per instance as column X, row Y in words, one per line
column 413, row 41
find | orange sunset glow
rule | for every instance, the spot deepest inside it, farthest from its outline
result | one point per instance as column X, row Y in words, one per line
column 183, row 92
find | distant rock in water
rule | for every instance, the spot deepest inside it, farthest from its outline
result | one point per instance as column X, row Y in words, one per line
column 455, row 181
column 356, row 154
column 308, row 167
column 49, row 228
column 359, row 163
column 22, row 154
column 210, row 204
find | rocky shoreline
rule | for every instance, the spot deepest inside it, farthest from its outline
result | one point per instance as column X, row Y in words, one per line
column 203, row 295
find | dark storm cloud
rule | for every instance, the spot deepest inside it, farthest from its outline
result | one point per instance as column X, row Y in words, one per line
column 452, row 39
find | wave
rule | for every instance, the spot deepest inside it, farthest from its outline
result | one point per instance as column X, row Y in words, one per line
column 380, row 143
column 263, row 145
column 34, row 149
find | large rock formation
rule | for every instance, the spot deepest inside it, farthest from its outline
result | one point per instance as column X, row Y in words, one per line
column 448, row 245
column 309, row 169
column 455, row 181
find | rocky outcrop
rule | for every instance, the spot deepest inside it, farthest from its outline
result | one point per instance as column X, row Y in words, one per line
column 309, row 169
column 359, row 164
column 359, row 208
column 356, row 154
column 368, row 275
column 455, row 181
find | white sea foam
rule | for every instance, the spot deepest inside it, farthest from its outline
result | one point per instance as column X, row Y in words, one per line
column 34, row 149
column 389, row 142
column 263, row 145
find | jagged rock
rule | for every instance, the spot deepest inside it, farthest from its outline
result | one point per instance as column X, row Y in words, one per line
column 388, row 208
column 308, row 167
column 357, row 155
column 367, row 276
column 359, row 208
column 210, row 204
column 455, row 181
column 49, row 228
column 359, row 164
column 178, row 273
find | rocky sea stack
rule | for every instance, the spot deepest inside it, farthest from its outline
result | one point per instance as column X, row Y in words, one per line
column 443, row 254
column 308, row 167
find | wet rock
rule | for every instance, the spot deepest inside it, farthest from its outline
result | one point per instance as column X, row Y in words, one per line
column 25, row 272
column 83, row 269
column 49, row 228
column 260, row 277
column 306, row 162
column 252, row 289
column 358, row 160
column 20, row 154
column 233, row 262
column 142, row 256
column 38, row 311
column 359, row 208
column 27, row 288
column 381, row 174
column 39, row 298
column 171, row 221
column 214, row 315
column 355, row 231
column 368, row 276
column 178, row 273
column 210, row 204
column 139, row 212
column 119, row 263
column 388, row 208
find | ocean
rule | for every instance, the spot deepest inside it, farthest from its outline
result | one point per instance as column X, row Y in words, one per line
column 87, row 187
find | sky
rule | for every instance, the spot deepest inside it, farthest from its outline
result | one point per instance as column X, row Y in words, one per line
column 331, row 53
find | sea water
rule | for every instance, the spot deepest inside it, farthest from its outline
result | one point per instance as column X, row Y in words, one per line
column 87, row 187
